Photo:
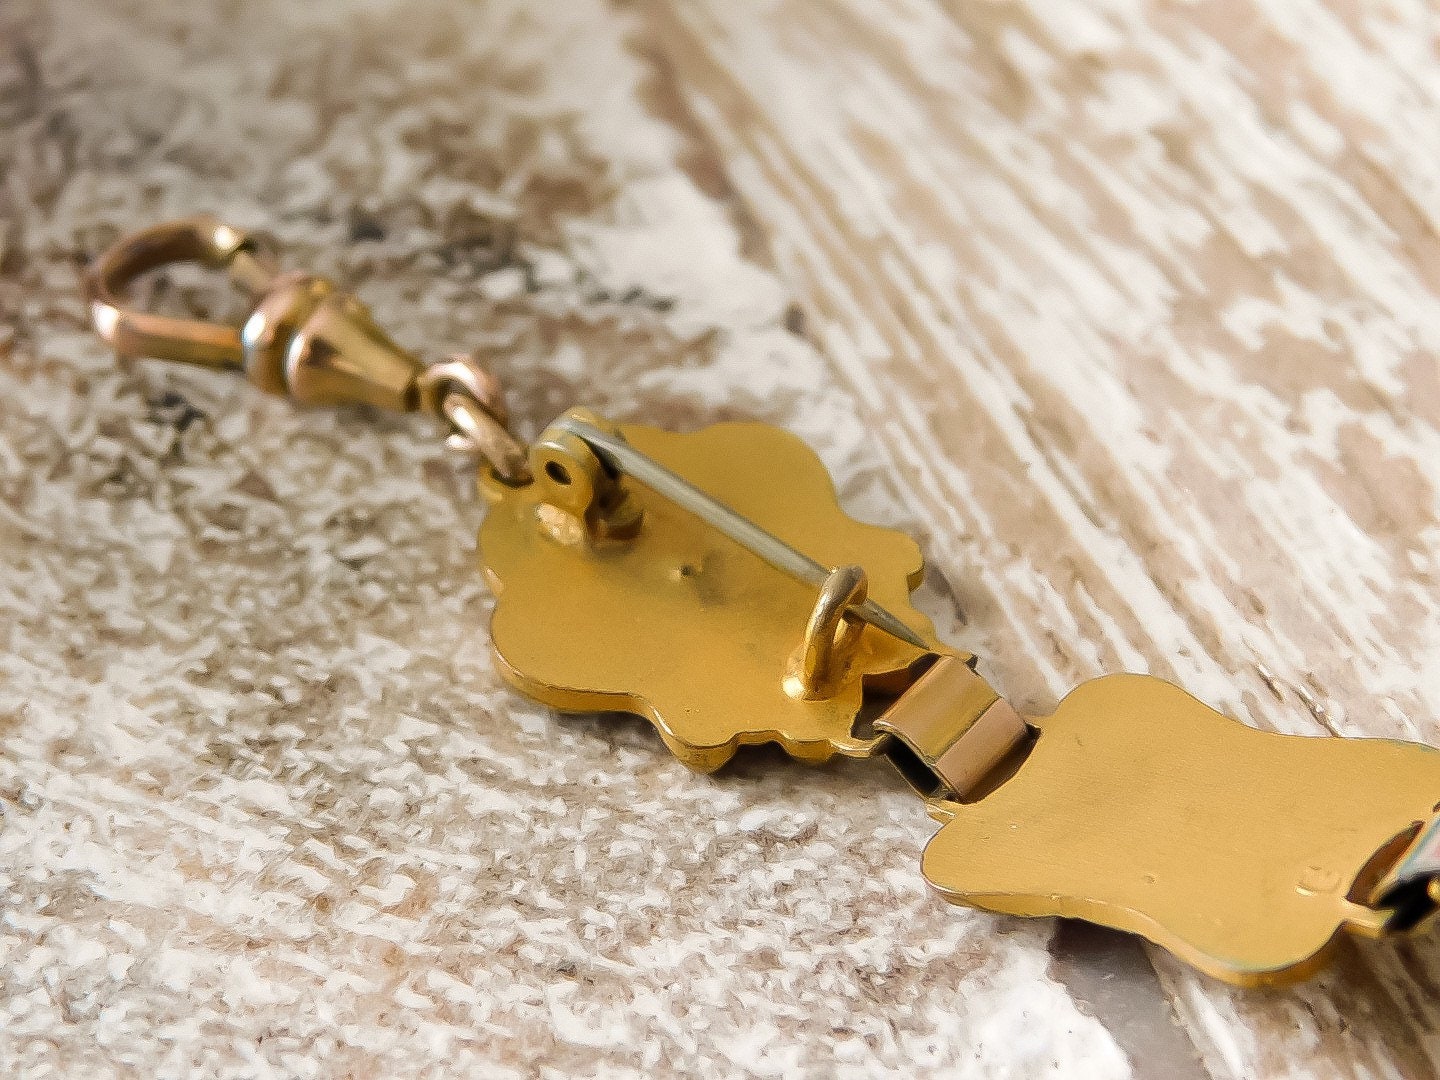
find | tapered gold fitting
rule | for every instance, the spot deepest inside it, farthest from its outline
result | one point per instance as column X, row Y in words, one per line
column 305, row 338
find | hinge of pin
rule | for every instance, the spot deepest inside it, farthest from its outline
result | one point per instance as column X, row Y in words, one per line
column 951, row 734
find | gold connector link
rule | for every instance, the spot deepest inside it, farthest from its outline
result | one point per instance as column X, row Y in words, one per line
column 951, row 732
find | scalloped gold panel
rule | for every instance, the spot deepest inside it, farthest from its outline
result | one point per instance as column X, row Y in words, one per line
column 1142, row 809
column 680, row 624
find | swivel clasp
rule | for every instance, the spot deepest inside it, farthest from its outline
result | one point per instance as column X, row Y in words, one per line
column 305, row 338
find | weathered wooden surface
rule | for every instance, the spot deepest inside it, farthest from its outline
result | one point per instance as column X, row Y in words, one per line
column 1140, row 300
column 1129, row 311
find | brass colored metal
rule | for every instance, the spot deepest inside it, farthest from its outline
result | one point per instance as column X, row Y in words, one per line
column 305, row 338
column 202, row 239
column 460, row 375
column 470, row 399
column 1133, row 806
column 584, row 499
column 686, row 626
column 316, row 345
column 714, row 512
column 953, row 731
column 668, row 575
column 477, row 432
column 1142, row 809
column 831, row 635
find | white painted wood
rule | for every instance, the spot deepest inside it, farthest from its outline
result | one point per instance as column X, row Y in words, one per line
column 1127, row 310
column 1140, row 301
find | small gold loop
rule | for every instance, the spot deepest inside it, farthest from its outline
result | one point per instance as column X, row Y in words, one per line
column 460, row 373
column 201, row 239
column 831, row 635
column 476, row 431
column 468, row 398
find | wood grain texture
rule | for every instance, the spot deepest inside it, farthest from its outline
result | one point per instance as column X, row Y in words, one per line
column 1141, row 299
column 1128, row 311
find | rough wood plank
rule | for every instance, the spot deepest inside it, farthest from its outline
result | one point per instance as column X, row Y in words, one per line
column 268, row 810
column 1141, row 301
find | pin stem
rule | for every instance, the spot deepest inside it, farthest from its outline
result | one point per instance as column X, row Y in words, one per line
column 621, row 456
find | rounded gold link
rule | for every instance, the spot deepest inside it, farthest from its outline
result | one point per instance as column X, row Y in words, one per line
column 477, row 431
column 460, row 373
column 831, row 635
column 468, row 398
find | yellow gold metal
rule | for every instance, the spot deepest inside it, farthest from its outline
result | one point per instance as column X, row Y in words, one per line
column 669, row 575
column 1411, row 887
column 831, row 635
column 478, row 432
column 685, row 626
column 1133, row 806
column 583, row 499
column 469, row 398
column 305, row 338
column 621, row 457
column 310, row 342
column 1140, row 808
